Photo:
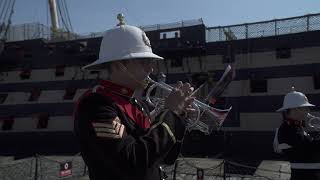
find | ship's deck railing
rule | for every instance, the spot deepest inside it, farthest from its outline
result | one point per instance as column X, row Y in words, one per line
column 310, row 22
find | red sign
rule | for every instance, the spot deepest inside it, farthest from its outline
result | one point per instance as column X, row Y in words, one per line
column 65, row 169
column 200, row 174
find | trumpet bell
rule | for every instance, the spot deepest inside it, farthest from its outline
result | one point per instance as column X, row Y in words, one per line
column 311, row 123
column 315, row 122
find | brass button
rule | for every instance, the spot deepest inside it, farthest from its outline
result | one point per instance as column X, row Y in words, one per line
column 124, row 91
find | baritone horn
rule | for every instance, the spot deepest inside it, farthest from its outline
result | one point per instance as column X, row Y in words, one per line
column 207, row 118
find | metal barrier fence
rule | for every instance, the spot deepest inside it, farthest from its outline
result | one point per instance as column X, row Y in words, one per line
column 73, row 168
column 43, row 168
column 49, row 168
column 20, row 169
column 213, row 169
column 266, row 28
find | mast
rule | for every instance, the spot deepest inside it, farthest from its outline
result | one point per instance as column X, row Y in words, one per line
column 54, row 15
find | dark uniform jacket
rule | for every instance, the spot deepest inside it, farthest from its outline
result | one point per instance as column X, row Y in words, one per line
column 136, row 154
column 304, row 149
column 303, row 146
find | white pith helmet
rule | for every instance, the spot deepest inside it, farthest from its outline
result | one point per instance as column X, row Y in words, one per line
column 295, row 99
column 121, row 43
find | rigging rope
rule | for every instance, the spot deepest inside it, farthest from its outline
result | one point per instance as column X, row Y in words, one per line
column 3, row 10
column 67, row 15
column 1, row 4
column 7, row 12
column 60, row 9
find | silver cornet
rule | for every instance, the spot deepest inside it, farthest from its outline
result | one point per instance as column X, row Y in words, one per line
column 312, row 123
column 207, row 118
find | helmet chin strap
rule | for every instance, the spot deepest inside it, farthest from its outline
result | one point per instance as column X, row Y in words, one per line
column 123, row 68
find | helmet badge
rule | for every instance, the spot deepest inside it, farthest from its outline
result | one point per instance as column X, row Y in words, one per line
column 120, row 17
column 146, row 39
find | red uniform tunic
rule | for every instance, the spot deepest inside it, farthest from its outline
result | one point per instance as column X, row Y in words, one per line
column 135, row 154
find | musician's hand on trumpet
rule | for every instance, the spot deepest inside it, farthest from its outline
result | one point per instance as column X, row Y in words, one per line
column 179, row 100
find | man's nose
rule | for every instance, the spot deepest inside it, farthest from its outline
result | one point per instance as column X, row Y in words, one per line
column 150, row 69
column 150, row 66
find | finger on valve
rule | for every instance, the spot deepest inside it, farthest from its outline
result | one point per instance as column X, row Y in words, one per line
column 191, row 112
column 189, row 101
column 178, row 85
column 187, row 89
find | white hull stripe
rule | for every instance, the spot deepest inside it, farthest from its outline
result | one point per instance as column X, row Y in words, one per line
column 305, row 166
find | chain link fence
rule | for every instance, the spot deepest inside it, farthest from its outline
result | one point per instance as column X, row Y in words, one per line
column 43, row 168
column 266, row 28
column 36, row 31
column 74, row 168
column 179, row 24
column 218, row 169
column 18, row 169
column 28, row 31
column 275, row 27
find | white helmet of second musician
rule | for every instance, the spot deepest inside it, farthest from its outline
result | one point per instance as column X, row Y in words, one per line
column 122, row 43
column 295, row 99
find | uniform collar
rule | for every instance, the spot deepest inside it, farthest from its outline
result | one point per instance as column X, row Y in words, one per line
column 116, row 88
column 294, row 122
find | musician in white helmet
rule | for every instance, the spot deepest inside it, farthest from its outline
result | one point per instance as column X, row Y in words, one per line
column 294, row 142
column 118, row 138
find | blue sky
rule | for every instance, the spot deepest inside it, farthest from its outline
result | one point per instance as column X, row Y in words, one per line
column 99, row 15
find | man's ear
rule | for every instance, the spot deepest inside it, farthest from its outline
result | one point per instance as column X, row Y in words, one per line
column 112, row 67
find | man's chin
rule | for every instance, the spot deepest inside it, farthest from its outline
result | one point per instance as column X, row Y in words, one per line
column 142, row 83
